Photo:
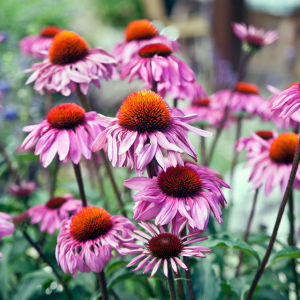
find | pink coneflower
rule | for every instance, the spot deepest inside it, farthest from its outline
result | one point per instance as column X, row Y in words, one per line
column 252, row 143
column 191, row 191
column 55, row 210
column 71, row 62
column 274, row 116
column 68, row 131
column 208, row 111
column 85, row 242
column 163, row 248
column 144, row 127
column 288, row 102
column 24, row 189
column 138, row 34
column 38, row 45
column 171, row 74
column 244, row 98
column 6, row 227
column 273, row 164
column 254, row 37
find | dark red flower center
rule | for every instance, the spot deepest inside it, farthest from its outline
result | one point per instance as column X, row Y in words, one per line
column 155, row 49
column 254, row 40
column 179, row 181
column 201, row 102
column 50, row 31
column 265, row 134
column 165, row 245
column 140, row 30
column 247, row 88
column 56, row 202
column 67, row 47
column 292, row 84
column 283, row 148
column 89, row 223
column 20, row 218
column 65, row 116
column 144, row 111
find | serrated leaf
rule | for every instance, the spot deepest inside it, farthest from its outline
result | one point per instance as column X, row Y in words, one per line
column 229, row 241
column 289, row 252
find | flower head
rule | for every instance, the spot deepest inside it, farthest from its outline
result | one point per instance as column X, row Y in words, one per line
column 251, row 144
column 162, row 248
column 272, row 164
column 254, row 37
column 143, row 128
column 188, row 191
column 24, row 189
column 288, row 103
column 171, row 74
column 6, row 227
column 68, row 131
column 71, row 62
column 244, row 98
column 138, row 34
column 55, row 210
column 39, row 45
column 209, row 112
column 268, row 114
column 86, row 240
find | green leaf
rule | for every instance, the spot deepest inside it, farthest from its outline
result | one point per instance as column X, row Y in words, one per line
column 205, row 282
column 40, row 274
column 287, row 253
column 229, row 241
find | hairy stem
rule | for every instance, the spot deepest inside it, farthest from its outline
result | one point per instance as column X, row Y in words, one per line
column 48, row 103
column 54, row 179
column 286, row 196
column 113, row 182
column 180, row 287
column 42, row 255
column 171, row 283
column 79, row 180
column 85, row 103
column 188, row 274
column 237, row 272
column 152, row 168
column 175, row 102
column 102, row 284
column 202, row 146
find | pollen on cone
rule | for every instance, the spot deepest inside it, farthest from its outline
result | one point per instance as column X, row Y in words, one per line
column 144, row 111
column 155, row 49
column 89, row 223
column 246, row 87
column 165, row 245
column 140, row 30
column 50, row 31
column 66, row 115
column 179, row 181
column 283, row 148
column 67, row 47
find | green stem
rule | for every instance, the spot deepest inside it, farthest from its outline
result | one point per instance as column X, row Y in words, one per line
column 247, row 231
column 42, row 255
column 286, row 196
column 102, row 284
column 171, row 283
column 79, row 180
